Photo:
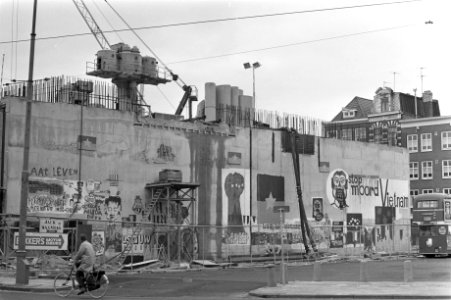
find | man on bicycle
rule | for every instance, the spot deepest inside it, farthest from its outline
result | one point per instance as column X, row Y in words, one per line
column 84, row 262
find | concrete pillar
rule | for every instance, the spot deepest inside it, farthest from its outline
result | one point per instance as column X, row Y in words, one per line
column 363, row 271
column 408, row 272
column 317, row 271
column 271, row 279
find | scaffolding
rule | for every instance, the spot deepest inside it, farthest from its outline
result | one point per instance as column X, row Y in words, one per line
column 175, row 212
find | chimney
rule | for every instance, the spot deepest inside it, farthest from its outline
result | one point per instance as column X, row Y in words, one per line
column 427, row 104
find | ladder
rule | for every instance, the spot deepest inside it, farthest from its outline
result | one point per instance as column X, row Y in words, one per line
column 137, row 230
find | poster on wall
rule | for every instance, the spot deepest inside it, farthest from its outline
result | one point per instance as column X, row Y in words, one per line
column 50, row 225
column 336, row 240
column 270, row 193
column 361, row 193
column 98, row 242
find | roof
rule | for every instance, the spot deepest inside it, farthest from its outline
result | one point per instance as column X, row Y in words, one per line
column 361, row 106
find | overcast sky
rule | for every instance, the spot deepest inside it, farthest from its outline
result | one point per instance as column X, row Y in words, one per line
column 313, row 63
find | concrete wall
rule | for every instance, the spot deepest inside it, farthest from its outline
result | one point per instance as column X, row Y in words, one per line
column 122, row 155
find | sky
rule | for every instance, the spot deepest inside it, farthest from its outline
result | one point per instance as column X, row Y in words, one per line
column 315, row 55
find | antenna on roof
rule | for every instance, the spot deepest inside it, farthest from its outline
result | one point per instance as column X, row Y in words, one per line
column 394, row 80
column 421, row 77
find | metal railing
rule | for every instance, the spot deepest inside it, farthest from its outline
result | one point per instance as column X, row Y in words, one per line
column 72, row 90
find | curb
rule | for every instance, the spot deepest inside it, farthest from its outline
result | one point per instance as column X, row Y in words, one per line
column 33, row 289
column 354, row 296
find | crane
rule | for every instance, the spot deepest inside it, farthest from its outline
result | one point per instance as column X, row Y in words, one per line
column 126, row 77
column 92, row 24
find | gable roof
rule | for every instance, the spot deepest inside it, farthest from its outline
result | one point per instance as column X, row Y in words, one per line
column 361, row 106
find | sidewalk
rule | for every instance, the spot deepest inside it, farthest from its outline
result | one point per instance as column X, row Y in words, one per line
column 358, row 290
column 36, row 285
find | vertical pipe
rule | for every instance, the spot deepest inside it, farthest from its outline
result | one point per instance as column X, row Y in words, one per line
column 22, row 271
column 80, row 154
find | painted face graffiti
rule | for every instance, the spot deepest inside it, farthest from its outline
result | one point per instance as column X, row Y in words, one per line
column 339, row 184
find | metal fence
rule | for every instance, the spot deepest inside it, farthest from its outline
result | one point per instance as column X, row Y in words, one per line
column 186, row 243
column 73, row 90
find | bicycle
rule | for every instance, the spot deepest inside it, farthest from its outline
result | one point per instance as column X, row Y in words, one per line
column 96, row 283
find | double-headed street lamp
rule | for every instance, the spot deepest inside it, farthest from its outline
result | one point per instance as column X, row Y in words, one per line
column 254, row 66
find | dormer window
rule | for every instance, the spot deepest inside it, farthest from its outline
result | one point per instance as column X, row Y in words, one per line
column 348, row 114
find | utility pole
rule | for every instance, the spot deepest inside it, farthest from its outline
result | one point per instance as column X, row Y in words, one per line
column 21, row 266
column 1, row 77
column 254, row 66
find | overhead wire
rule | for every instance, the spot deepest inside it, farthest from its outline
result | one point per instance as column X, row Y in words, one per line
column 16, row 36
column 12, row 38
column 215, row 20
column 289, row 45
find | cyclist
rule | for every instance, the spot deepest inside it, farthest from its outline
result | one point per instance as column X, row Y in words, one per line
column 84, row 262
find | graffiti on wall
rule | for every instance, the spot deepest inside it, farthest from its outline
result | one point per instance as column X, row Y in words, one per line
column 234, row 158
column 235, row 206
column 338, row 185
column 55, row 195
column 139, row 242
column 53, row 172
column 361, row 193
column 87, row 143
column 164, row 155
column 51, row 195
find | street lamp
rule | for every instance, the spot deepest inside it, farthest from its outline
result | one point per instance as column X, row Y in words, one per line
column 254, row 66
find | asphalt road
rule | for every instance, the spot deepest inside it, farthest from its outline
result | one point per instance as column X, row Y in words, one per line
column 235, row 283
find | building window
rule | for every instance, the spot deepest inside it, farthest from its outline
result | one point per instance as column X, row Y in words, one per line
column 414, row 172
column 412, row 143
column 392, row 135
column 414, row 192
column 348, row 114
column 427, row 191
column 360, row 134
column 384, row 105
column 426, row 142
column 426, row 170
column 346, row 134
column 446, row 168
column 447, row 191
column 446, row 140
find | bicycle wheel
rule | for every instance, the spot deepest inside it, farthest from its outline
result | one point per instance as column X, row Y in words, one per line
column 63, row 284
column 101, row 287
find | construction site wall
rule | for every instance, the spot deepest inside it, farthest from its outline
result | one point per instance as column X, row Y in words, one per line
column 348, row 187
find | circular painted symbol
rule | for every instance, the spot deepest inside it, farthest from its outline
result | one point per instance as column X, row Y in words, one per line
column 442, row 230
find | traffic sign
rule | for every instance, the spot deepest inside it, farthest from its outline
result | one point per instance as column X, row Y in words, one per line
column 42, row 241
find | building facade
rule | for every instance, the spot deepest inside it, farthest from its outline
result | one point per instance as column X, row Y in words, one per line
column 428, row 141
column 397, row 119
column 377, row 121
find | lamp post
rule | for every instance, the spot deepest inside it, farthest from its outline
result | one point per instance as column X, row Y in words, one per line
column 21, row 267
column 254, row 66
